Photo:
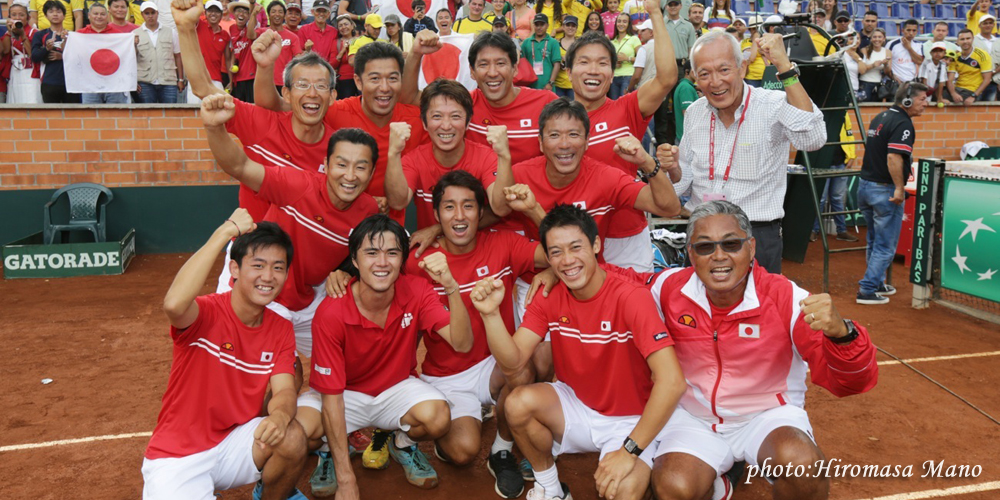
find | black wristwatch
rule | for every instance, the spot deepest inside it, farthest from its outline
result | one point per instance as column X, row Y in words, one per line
column 631, row 447
column 790, row 73
column 852, row 333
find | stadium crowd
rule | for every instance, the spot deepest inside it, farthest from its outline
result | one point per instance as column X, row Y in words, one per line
column 956, row 54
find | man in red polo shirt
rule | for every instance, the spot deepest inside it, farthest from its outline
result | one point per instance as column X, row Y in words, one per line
column 493, row 63
column 445, row 108
column 242, row 33
column 214, row 44
column 378, row 69
column 318, row 36
column 290, row 43
column 618, row 378
column 209, row 436
column 364, row 367
column 319, row 211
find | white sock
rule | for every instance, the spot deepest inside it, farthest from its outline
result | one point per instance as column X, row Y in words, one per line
column 548, row 479
column 719, row 489
column 501, row 444
column 403, row 441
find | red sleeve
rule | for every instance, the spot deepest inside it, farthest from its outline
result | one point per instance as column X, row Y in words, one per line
column 432, row 316
column 521, row 251
column 206, row 316
column 626, row 189
column 285, row 359
column 296, row 44
column 536, row 317
column 648, row 331
column 328, row 374
column 630, row 275
column 843, row 369
column 636, row 122
column 247, row 121
column 283, row 185
column 487, row 163
column 411, row 167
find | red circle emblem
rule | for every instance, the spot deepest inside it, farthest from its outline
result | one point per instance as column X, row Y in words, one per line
column 442, row 64
column 105, row 62
column 404, row 8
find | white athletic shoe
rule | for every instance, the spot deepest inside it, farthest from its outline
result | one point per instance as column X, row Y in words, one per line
column 538, row 493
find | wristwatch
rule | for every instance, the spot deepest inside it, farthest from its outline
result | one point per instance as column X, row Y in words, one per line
column 794, row 71
column 631, row 447
column 852, row 333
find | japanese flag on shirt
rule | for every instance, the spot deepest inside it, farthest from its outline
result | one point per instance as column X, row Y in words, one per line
column 451, row 62
column 100, row 63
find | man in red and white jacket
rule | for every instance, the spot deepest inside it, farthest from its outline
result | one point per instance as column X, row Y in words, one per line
column 745, row 339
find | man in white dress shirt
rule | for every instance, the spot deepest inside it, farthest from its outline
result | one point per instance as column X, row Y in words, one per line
column 736, row 139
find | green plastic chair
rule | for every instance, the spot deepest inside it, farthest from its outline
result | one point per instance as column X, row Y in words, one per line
column 987, row 154
column 86, row 211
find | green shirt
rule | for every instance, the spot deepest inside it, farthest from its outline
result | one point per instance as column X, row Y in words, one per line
column 544, row 51
column 684, row 96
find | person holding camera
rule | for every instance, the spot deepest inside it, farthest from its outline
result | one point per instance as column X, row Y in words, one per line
column 47, row 47
column 24, row 86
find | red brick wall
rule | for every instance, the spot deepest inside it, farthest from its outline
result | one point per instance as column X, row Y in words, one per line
column 49, row 147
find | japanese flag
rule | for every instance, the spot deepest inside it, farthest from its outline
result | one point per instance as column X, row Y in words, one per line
column 451, row 62
column 402, row 9
column 100, row 63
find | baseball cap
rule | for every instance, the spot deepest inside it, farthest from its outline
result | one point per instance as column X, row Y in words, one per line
column 392, row 19
column 952, row 54
column 321, row 4
column 148, row 5
column 294, row 5
column 645, row 25
column 819, row 13
column 939, row 45
column 232, row 5
column 842, row 15
column 374, row 20
column 499, row 21
column 986, row 17
column 540, row 18
column 739, row 20
column 571, row 20
column 213, row 3
column 673, row 1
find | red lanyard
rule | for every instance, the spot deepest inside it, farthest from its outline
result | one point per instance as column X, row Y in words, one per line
column 711, row 142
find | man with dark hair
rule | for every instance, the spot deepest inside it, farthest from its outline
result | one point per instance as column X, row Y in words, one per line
column 445, row 108
column 364, row 368
column 419, row 21
column 591, row 62
column 209, row 436
column 290, row 43
column 542, row 51
column 47, row 48
column 618, row 377
column 970, row 75
column 242, row 34
column 443, row 18
column 369, row 34
column 268, row 136
column 214, row 44
column 884, row 171
column 493, row 60
column 378, row 69
column 475, row 22
column 906, row 53
column 158, row 59
column 868, row 24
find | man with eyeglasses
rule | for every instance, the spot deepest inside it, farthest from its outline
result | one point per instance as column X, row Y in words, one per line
column 744, row 338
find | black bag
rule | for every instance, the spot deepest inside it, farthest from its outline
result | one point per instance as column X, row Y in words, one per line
column 887, row 89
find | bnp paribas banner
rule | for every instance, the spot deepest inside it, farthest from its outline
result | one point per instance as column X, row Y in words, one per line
column 971, row 244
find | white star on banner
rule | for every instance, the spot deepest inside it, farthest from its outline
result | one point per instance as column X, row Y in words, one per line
column 973, row 226
column 988, row 275
column 960, row 260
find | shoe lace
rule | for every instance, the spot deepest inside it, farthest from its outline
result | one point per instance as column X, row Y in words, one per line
column 506, row 459
column 420, row 461
column 379, row 438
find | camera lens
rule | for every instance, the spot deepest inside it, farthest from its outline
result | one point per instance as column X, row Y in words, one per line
column 18, row 24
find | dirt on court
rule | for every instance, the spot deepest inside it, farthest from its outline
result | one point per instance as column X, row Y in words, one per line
column 104, row 343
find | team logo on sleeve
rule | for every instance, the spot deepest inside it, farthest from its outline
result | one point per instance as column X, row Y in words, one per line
column 605, row 326
column 526, row 122
column 228, row 346
column 564, row 320
column 483, row 271
column 687, row 320
column 660, row 336
column 266, row 357
column 580, row 204
column 322, row 370
column 749, row 331
column 407, row 318
column 319, row 218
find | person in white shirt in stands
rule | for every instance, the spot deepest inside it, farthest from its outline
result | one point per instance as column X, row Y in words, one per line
column 743, row 158
column 987, row 42
column 877, row 64
column 906, row 54
column 934, row 71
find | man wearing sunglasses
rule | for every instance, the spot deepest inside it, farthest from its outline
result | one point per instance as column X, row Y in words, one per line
column 744, row 338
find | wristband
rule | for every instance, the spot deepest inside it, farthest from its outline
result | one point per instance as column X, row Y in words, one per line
column 787, row 82
column 646, row 177
column 239, row 233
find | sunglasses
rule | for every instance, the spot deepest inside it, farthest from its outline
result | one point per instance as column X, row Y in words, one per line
column 731, row 245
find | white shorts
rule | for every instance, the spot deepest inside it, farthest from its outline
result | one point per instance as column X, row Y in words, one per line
column 634, row 252
column 521, row 288
column 467, row 391
column 686, row 433
column 586, row 430
column 193, row 99
column 301, row 319
column 384, row 411
column 228, row 465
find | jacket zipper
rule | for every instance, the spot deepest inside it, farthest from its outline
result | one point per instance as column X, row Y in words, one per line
column 718, row 377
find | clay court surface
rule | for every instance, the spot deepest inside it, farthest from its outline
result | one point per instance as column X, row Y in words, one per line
column 104, row 342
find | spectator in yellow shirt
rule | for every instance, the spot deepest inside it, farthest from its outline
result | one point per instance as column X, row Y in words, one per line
column 755, row 69
column 979, row 9
column 70, row 22
column 971, row 72
column 836, row 187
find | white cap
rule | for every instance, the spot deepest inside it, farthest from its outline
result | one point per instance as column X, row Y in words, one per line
column 773, row 18
column 213, row 3
column 148, row 5
column 939, row 45
column 740, row 20
column 645, row 25
column 985, row 17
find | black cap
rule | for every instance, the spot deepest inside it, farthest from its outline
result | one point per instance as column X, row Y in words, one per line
column 570, row 20
column 673, row 1
column 499, row 21
column 540, row 18
column 842, row 15
column 321, row 4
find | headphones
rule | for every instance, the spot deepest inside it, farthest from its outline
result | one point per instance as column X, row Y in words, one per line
column 908, row 99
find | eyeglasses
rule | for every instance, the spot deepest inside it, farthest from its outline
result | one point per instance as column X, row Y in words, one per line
column 304, row 86
column 731, row 245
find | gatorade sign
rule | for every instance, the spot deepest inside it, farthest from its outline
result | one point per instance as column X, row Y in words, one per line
column 28, row 258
